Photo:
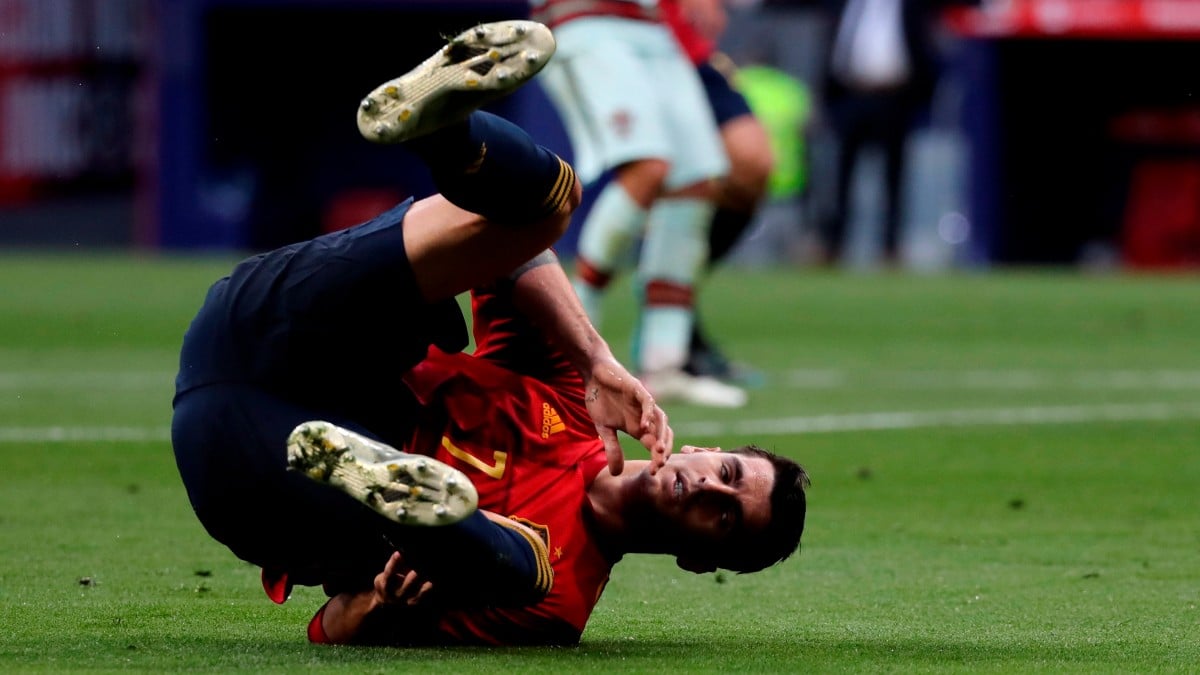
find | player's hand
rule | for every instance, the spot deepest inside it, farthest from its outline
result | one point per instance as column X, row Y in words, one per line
column 399, row 584
column 618, row 401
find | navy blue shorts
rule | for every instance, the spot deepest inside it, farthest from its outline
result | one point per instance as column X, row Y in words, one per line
column 320, row 330
column 727, row 103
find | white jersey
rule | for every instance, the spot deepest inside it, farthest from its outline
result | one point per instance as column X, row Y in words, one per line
column 626, row 91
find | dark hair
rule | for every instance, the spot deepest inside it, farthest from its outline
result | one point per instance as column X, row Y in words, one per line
column 781, row 537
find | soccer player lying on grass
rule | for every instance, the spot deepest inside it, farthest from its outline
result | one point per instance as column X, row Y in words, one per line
column 509, row 492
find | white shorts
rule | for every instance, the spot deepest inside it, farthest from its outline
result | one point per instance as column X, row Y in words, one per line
column 625, row 91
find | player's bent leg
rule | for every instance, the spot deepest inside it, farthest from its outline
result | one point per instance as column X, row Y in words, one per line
column 488, row 171
column 408, row 489
column 750, row 165
column 751, row 161
column 513, row 180
column 485, row 559
column 675, row 250
column 504, row 199
column 612, row 228
column 453, row 250
column 479, row 161
column 490, row 166
column 609, row 234
column 470, row 555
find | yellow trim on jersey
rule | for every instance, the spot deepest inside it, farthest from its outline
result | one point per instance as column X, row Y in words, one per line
column 495, row 471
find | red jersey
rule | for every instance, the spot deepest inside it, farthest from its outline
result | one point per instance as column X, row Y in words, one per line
column 531, row 449
column 696, row 46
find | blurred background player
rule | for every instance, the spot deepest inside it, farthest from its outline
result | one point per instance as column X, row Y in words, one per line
column 631, row 102
column 782, row 227
column 697, row 25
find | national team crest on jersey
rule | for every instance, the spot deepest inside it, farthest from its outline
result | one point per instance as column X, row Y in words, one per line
column 622, row 123
column 551, row 422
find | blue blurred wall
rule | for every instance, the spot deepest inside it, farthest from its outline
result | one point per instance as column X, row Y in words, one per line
column 257, row 141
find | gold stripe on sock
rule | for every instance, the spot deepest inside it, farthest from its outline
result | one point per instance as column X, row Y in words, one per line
column 548, row 204
column 544, row 580
column 561, row 191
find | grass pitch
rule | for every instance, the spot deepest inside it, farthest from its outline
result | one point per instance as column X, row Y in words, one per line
column 1006, row 479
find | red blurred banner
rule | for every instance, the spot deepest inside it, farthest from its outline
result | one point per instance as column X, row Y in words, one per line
column 1104, row 19
column 69, row 72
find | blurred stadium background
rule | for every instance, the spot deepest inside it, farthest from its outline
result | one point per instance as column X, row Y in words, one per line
column 1063, row 132
column 1002, row 432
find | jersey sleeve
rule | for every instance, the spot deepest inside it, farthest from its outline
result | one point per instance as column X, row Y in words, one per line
column 508, row 339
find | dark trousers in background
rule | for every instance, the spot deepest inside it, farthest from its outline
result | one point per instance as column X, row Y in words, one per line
column 861, row 120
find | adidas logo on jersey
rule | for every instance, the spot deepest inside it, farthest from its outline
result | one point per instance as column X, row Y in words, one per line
column 551, row 422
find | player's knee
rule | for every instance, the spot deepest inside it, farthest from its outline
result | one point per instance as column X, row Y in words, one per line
column 576, row 198
column 758, row 171
column 708, row 190
column 554, row 226
column 644, row 179
column 751, row 162
column 747, row 181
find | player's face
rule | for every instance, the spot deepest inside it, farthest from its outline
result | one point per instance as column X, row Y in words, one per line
column 710, row 497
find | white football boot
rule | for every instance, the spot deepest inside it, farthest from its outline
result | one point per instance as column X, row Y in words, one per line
column 408, row 489
column 679, row 386
column 473, row 69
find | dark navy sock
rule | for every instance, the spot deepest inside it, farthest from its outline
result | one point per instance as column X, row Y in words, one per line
column 728, row 225
column 477, row 560
column 490, row 166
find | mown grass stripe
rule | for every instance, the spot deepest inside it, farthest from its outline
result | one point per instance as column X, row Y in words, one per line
column 992, row 379
column 883, row 421
column 83, row 434
column 847, row 422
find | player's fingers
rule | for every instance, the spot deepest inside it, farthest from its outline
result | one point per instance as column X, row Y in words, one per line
column 409, row 586
column 654, row 421
column 662, row 432
column 386, row 580
column 393, row 564
column 650, row 410
column 660, row 448
column 657, row 459
column 423, row 591
column 612, row 450
column 394, row 567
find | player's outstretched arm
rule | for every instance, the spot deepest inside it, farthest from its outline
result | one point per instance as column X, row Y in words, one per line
column 616, row 400
column 404, row 605
column 367, row 616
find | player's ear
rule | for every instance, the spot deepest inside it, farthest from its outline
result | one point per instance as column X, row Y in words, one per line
column 689, row 449
column 695, row 565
